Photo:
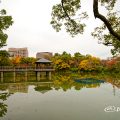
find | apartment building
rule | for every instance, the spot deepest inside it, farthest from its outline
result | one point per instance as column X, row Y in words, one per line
column 46, row 55
column 20, row 52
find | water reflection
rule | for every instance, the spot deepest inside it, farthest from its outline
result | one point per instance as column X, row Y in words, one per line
column 67, row 82
column 22, row 77
column 59, row 83
column 62, row 82
column 43, row 88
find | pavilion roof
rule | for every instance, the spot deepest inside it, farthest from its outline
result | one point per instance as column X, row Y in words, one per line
column 43, row 60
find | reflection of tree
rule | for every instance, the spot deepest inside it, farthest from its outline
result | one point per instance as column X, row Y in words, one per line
column 114, row 82
column 79, row 86
column 3, row 87
column 113, row 79
column 3, row 107
column 66, row 82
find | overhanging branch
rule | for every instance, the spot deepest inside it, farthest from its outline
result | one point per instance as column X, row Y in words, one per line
column 102, row 18
column 62, row 2
column 73, row 22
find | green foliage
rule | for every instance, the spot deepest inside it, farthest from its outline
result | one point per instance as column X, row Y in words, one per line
column 65, row 13
column 69, row 14
column 74, row 69
column 77, row 58
column 28, row 61
column 4, row 53
column 3, row 107
column 4, row 96
column 4, row 58
column 5, row 22
column 106, row 38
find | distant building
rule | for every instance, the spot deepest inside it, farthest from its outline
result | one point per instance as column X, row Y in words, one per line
column 46, row 55
column 18, row 52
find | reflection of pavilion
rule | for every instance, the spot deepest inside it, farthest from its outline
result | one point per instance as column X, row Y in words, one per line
column 3, row 87
column 18, row 87
column 43, row 87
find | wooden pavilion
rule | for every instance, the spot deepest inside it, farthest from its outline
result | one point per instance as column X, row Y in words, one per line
column 43, row 63
column 43, row 66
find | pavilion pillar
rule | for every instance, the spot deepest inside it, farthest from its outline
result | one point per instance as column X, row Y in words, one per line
column 2, row 75
column 38, row 76
column 14, row 76
column 26, row 75
column 49, row 75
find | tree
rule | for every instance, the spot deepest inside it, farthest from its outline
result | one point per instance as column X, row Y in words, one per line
column 77, row 58
column 5, row 22
column 3, row 106
column 61, row 64
column 15, row 61
column 4, row 58
column 68, row 13
column 90, row 64
column 62, row 61
column 28, row 61
column 113, row 65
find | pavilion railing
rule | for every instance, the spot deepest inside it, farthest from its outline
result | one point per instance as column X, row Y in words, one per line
column 22, row 68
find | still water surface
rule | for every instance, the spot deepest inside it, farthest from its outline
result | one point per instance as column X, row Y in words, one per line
column 60, row 99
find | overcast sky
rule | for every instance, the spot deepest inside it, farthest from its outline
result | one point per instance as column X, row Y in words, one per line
column 32, row 29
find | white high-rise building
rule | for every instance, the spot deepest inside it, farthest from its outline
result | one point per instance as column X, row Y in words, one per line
column 18, row 52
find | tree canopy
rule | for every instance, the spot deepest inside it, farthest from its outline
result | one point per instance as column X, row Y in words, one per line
column 4, row 58
column 5, row 22
column 68, row 13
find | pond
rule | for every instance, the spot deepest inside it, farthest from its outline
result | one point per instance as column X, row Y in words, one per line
column 62, row 98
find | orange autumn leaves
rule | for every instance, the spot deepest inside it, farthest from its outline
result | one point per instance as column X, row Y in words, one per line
column 16, row 60
column 23, row 61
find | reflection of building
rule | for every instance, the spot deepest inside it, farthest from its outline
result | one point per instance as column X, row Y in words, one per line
column 46, row 55
column 21, row 52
